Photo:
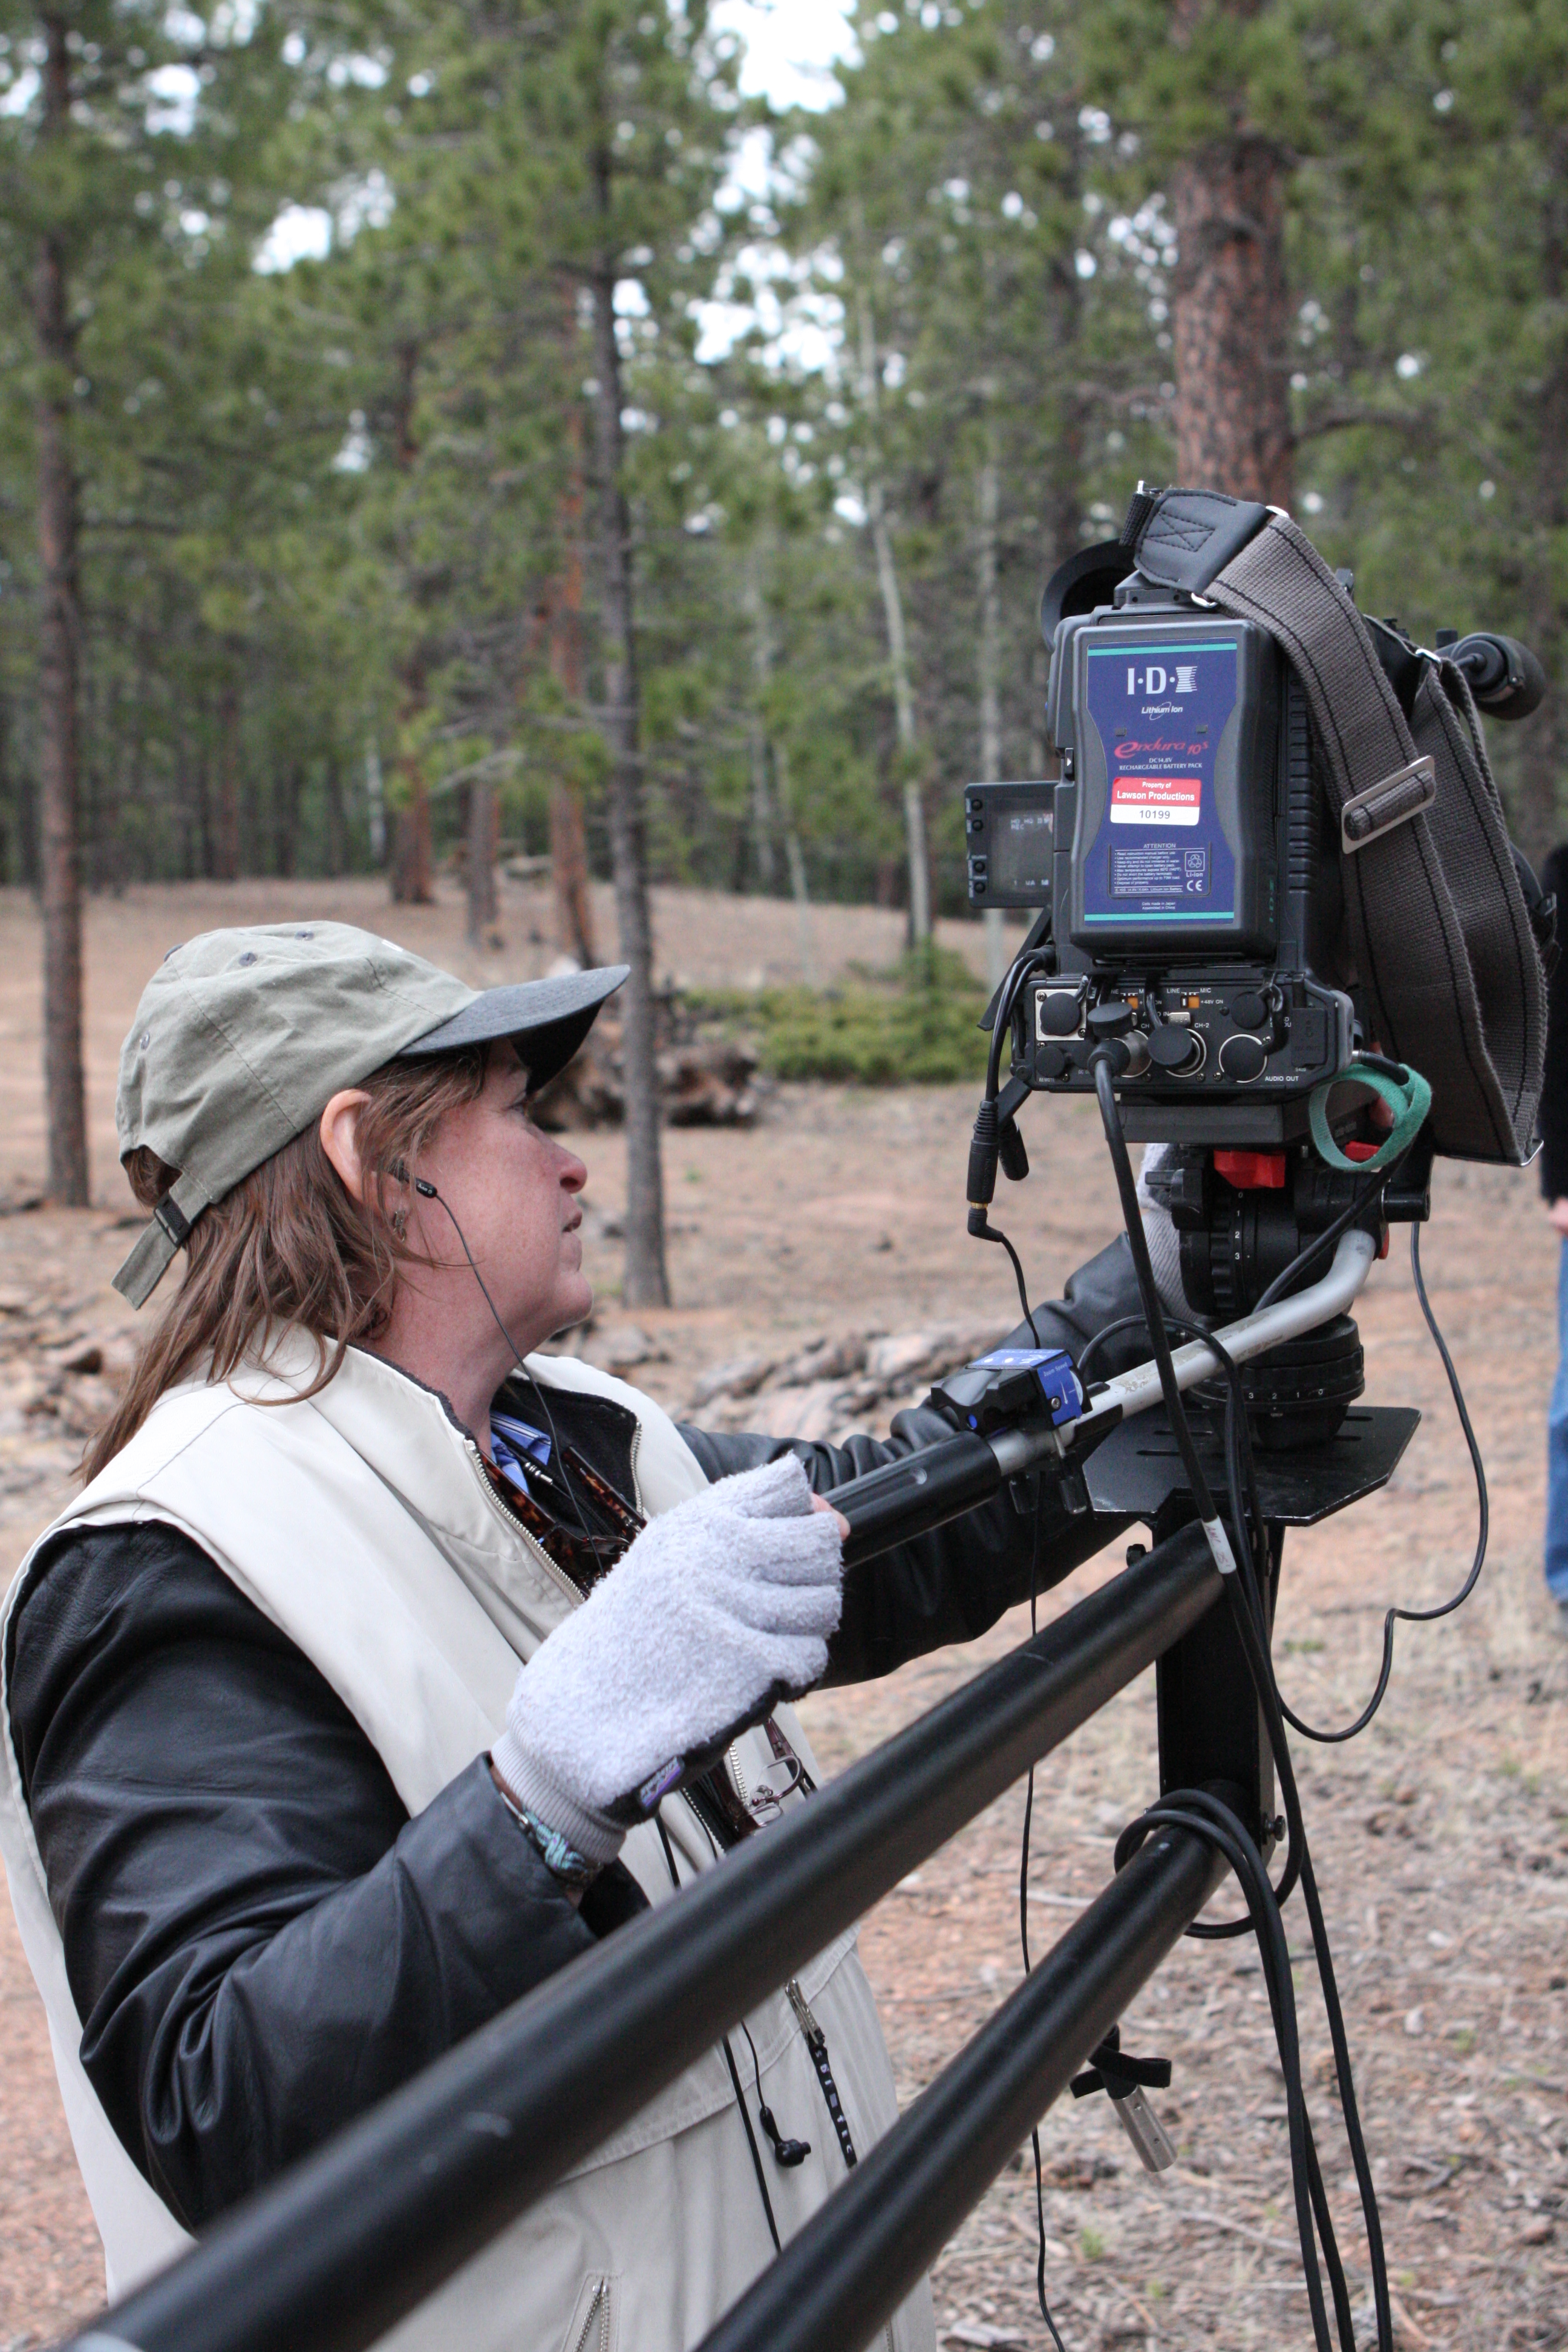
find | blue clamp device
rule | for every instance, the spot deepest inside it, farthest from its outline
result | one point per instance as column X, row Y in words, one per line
column 1012, row 1384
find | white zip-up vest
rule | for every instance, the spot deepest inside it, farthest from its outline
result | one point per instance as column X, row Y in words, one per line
column 363, row 1523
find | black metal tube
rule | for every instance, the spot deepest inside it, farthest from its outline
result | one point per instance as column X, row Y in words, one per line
column 907, row 1498
column 845, row 2273
column 334, row 2254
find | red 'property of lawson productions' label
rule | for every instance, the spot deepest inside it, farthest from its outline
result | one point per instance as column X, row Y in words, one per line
column 1156, row 800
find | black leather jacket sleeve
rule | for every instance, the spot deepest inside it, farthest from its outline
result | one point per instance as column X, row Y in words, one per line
column 952, row 1584
column 261, row 1944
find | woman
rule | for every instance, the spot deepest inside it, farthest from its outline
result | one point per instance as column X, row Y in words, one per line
column 298, row 1791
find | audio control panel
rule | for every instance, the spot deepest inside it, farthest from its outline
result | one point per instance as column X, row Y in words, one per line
column 1210, row 1037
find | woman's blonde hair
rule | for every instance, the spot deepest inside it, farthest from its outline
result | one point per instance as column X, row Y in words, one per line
column 291, row 1245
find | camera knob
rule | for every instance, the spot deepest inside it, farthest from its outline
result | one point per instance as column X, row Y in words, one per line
column 1060, row 1013
column 1244, row 1058
column 1112, row 1019
column 1176, row 1050
column 1250, row 1009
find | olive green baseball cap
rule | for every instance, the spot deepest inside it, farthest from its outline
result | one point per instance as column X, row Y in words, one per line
column 242, row 1038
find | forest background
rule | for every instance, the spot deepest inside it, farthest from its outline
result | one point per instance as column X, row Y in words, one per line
column 644, row 476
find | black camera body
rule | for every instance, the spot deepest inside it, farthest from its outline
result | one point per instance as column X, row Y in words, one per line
column 1183, row 865
column 1179, row 861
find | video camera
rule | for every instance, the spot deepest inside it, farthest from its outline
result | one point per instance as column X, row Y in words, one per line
column 1183, row 865
column 1280, row 933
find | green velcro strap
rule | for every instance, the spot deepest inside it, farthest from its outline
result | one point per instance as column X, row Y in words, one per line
column 1409, row 1103
column 165, row 1233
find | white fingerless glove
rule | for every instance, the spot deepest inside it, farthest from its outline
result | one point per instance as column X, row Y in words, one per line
column 722, row 1606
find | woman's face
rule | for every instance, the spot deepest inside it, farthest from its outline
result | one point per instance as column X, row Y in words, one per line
column 513, row 1190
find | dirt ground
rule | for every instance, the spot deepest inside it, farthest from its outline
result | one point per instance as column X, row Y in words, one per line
column 1441, row 1837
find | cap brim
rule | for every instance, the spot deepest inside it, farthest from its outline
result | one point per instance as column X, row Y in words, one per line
column 547, row 1020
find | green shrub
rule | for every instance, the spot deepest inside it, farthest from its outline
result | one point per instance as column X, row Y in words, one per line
column 915, row 1025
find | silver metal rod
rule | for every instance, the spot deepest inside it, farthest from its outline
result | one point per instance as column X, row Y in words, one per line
column 1134, row 1391
column 1139, row 1389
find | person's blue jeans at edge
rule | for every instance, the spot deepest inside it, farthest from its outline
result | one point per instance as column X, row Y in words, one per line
column 1557, row 1453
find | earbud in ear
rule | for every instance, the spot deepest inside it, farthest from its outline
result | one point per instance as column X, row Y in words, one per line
column 427, row 1192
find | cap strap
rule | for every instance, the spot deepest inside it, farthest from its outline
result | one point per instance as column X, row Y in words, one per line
column 171, row 1224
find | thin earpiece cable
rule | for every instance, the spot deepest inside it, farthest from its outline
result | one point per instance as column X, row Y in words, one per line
column 427, row 1191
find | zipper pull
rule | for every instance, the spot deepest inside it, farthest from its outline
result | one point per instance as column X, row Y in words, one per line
column 802, row 2008
column 817, row 2042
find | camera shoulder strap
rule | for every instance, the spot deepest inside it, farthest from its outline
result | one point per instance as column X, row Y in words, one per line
column 1439, row 927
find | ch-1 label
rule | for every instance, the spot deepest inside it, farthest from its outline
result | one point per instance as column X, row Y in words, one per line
column 1156, row 800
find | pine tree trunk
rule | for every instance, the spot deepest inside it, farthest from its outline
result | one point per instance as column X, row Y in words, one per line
column 569, row 876
column 910, row 760
column 10, row 804
column 288, row 788
column 60, row 626
column 1230, row 322
column 191, row 805
column 568, row 838
column 337, row 816
column 480, row 852
column 646, row 1281
column 411, row 877
column 1229, row 317
column 225, row 861
column 24, row 807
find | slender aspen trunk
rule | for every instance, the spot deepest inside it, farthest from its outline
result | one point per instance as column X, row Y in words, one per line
column 374, row 801
column 918, row 852
column 762, row 810
column 990, row 666
column 794, row 858
column 1062, row 317
column 762, row 670
column 59, row 648
column 1039, row 682
column 647, row 1282
column 568, row 840
column 1229, row 319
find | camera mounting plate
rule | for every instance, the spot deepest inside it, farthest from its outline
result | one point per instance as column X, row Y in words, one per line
column 1138, row 1470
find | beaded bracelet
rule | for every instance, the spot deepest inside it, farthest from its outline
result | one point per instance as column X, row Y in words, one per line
column 560, row 1857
